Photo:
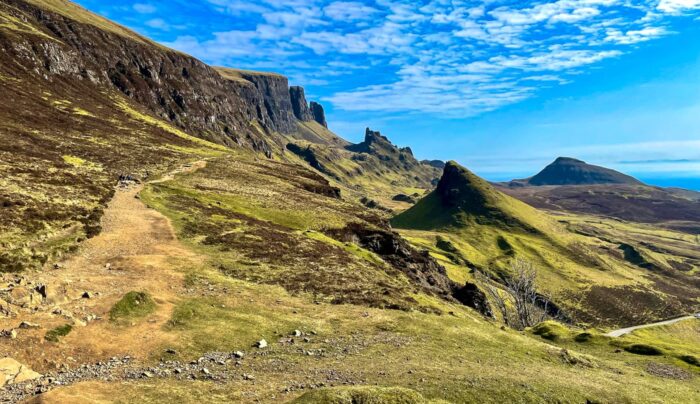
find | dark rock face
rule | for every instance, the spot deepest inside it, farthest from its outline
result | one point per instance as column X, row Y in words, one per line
column 418, row 266
column 171, row 85
column 318, row 113
column 457, row 189
column 570, row 171
column 470, row 295
column 299, row 104
column 403, row 198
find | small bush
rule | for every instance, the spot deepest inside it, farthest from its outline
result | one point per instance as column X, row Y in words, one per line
column 132, row 305
column 643, row 349
column 583, row 337
column 55, row 334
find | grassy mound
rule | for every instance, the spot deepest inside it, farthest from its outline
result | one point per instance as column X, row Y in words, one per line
column 362, row 395
column 550, row 330
column 132, row 306
column 55, row 334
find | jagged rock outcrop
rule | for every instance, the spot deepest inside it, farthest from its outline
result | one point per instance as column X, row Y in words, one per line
column 318, row 113
column 418, row 266
column 299, row 104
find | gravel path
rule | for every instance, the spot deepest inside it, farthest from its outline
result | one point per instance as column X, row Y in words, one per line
column 623, row 331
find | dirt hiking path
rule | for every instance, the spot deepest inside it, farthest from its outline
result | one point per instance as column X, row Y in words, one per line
column 137, row 250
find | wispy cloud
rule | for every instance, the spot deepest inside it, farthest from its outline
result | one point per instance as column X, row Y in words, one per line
column 454, row 58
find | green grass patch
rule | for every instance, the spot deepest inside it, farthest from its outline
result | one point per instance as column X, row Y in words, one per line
column 361, row 395
column 550, row 330
column 133, row 305
column 55, row 334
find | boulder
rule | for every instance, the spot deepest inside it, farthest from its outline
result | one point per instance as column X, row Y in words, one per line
column 12, row 372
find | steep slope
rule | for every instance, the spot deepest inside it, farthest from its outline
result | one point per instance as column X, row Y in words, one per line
column 461, row 199
column 570, row 171
column 469, row 225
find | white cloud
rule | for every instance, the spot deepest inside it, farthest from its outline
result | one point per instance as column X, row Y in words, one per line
column 143, row 8
column 349, row 11
column 677, row 6
column 454, row 57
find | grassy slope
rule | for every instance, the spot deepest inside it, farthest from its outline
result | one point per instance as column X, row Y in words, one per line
column 259, row 230
column 458, row 358
column 588, row 275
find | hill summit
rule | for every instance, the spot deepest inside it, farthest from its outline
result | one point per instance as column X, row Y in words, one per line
column 571, row 171
column 460, row 199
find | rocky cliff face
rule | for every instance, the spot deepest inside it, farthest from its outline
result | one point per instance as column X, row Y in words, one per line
column 299, row 104
column 171, row 85
column 318, row 113
column 303, row 111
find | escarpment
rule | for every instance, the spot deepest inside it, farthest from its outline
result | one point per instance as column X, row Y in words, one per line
column 219, row 105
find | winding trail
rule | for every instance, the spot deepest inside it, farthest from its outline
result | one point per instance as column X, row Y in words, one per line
column 137, row 250
column 623, row 331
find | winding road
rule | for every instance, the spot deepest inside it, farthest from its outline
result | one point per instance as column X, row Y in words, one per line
column 623, row 331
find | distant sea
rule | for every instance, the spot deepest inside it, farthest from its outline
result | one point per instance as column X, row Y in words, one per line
column 692, row 184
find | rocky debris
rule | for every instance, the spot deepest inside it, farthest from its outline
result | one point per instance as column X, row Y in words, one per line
column 299, row 104
column 238, row 354
column 418, row 266
column 318, row 113
column 667, row 371
column 12, row 372
column 261, row 344
column 21, row 293
column 126, row 180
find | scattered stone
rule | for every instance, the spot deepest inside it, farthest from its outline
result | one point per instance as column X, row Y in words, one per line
column 238, row 355
column 261, row 344
column 87, row 295
column 667, row 371
column 147, row 374
column 108, row 266
column 296, row 333
column 171, row 351
column 11, row 334
column 205, row 371
column 248, row 377
column 26, row 325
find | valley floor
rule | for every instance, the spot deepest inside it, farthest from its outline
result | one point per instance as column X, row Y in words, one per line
column 202, row 315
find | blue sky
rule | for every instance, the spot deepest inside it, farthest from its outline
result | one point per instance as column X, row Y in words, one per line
column 502, row 86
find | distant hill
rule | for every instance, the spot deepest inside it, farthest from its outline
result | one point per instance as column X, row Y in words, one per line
column 570, row 171
column 462, row 198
